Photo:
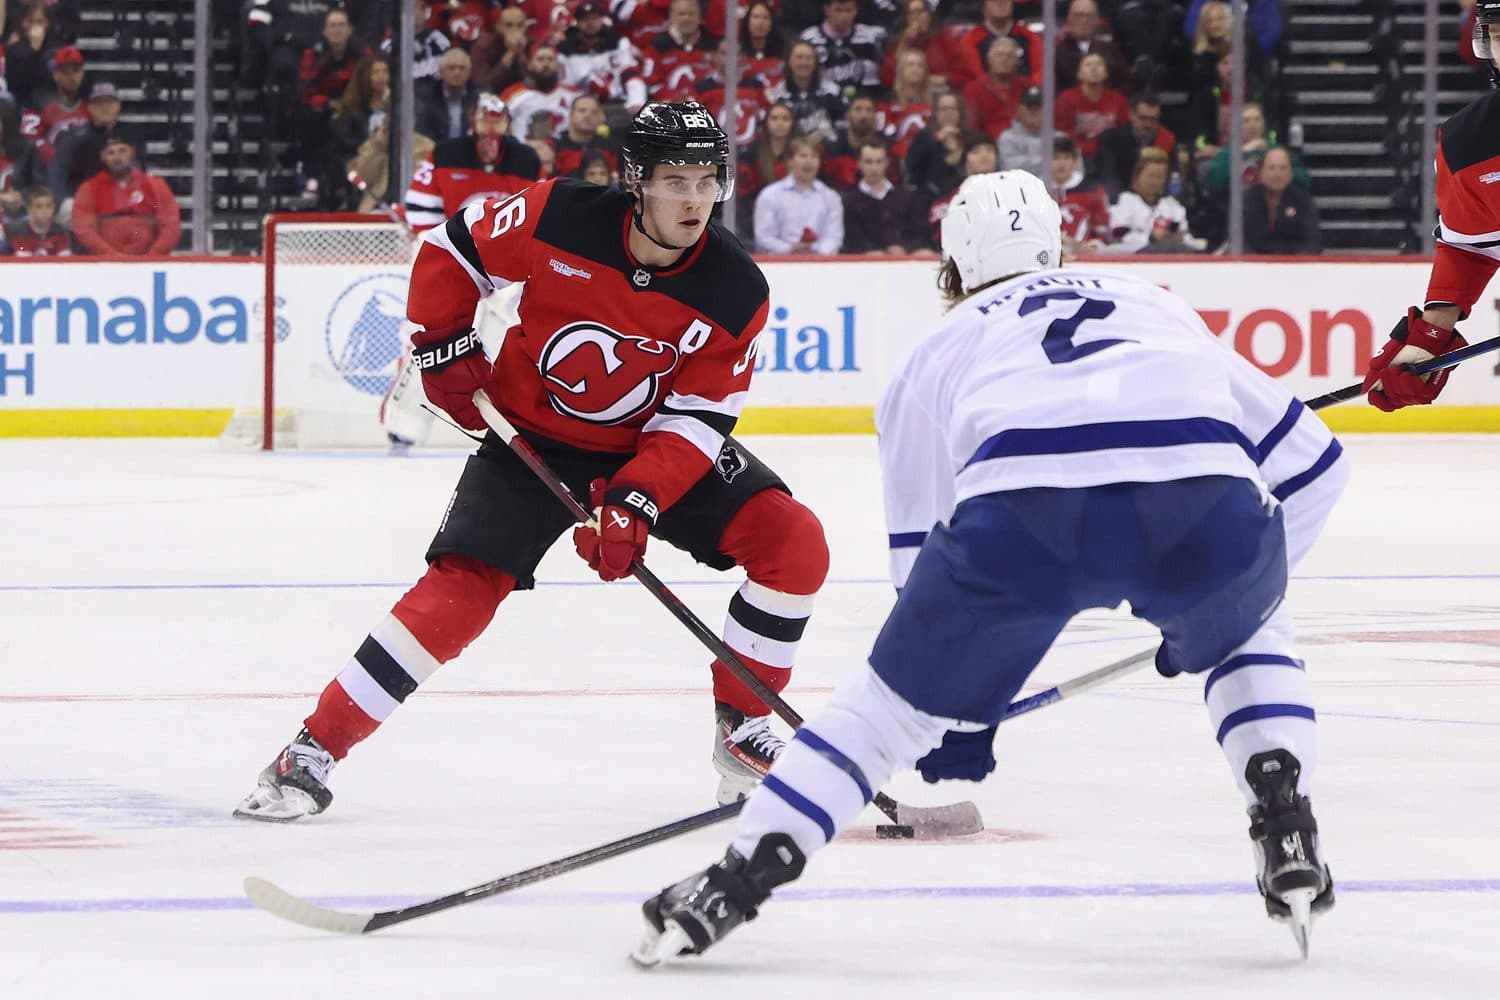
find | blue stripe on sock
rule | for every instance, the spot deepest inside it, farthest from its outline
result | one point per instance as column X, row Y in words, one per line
column 837, row 758
column 1232, row 664
column 1330, row 455
column 907, row 539
column 1251, row 713
column 801, row 803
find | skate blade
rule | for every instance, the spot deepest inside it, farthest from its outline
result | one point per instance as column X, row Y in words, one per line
column 657, row 947
column 1300, row 902
column 276, row 805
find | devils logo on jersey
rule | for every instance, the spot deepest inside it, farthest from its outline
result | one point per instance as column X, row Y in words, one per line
column 601, row 375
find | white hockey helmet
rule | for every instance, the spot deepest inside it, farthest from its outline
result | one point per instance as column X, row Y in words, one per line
column 1001, row 224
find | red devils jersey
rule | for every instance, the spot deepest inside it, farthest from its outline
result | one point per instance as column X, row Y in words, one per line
column 1468, row 202
column 1085, row 213
column 672, row 70
column 609, row 355
column 455, row 178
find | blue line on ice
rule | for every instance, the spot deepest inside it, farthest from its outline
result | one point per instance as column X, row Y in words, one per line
column 858, row 894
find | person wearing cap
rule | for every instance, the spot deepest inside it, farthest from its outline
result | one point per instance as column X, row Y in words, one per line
column 487, row 163
column 77, row 153
column 122, row 211
column 597, row 60
column 1021, row 145
column 66, row 107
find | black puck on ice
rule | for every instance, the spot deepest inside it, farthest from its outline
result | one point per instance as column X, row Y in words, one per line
column 894, row 831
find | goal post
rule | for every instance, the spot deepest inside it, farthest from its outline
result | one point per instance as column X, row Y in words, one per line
column 334, row 327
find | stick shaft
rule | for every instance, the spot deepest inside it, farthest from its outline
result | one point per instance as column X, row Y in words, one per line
column 1426, row 367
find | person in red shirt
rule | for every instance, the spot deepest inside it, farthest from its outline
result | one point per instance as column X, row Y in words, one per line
column 122, row 211
column 1466, row 255
column 999, row 21
column 918, row 33
column 626, row 372
column 38, row 235
column 993, row 98
column 904, row 115
column 1086, row 111
column 676, row 59
column 1084, row 206
column 487, row 163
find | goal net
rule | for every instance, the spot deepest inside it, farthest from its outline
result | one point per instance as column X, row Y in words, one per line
column 334, row 327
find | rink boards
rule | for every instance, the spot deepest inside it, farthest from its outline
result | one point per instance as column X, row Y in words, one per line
column 173, row 347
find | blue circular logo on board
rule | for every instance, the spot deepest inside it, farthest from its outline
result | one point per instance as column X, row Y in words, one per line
column 363, row 332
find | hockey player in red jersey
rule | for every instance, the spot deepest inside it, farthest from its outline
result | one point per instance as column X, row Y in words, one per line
column 1468, row 250
column 485, row 164
column 627, row 372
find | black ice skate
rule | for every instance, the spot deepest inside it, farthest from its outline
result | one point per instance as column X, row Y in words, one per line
column 745, row 747
column 687, row 918
column 294, row 785
column 1293, row 879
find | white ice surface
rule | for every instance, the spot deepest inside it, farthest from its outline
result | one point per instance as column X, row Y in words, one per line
column 170, row 612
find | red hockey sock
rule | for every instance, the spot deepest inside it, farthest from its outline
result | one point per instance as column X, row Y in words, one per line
column 431, row 624
column 729, row 690
column 337, row 723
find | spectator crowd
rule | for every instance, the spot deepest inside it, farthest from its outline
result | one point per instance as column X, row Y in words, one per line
column 72, row 176
column 854, row 120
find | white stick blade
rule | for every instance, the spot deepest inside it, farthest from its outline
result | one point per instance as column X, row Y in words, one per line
column 961, row 819
column 278, row 902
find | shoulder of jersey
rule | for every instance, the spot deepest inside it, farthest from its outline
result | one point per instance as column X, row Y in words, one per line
column 1472, row 135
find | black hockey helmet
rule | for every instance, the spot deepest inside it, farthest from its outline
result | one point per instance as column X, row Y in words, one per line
column 676, row 132
column 1486, row 13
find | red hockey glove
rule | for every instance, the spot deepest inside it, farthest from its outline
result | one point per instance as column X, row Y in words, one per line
column 1413, row 341
column 626, row 516
column 452, row 368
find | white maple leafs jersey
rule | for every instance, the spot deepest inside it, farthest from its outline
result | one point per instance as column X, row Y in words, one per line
column 1075, row 378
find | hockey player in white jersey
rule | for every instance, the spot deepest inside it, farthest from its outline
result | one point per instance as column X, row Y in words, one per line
column 1062, row 440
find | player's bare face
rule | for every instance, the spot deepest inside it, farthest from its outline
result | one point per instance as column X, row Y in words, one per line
column 1494, row 30
column 676, row 202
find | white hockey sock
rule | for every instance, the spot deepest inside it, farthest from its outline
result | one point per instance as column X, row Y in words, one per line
column 766, row 625
column 835, row 764
column 1259, row 702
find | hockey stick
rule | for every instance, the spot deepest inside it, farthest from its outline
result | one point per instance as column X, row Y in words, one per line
column 1430, row 365
column 934, row 822
column 280, row 903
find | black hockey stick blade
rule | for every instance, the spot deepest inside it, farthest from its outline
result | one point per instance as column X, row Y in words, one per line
column 927, row 822
column 278, row 902
column 1431, row 365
